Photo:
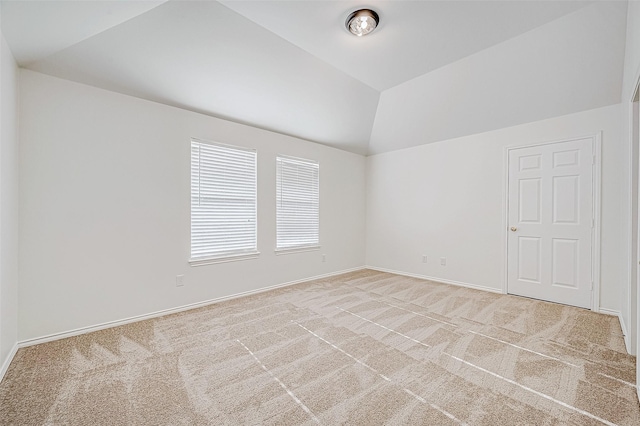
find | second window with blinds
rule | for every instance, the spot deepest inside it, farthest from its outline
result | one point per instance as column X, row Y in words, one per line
column 297, row 204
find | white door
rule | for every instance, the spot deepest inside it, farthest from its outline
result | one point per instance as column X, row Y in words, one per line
column 550, row 222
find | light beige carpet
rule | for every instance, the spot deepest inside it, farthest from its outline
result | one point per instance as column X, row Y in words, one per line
column 365, row 348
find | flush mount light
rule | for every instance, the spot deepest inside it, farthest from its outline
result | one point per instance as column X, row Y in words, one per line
column 362, row 22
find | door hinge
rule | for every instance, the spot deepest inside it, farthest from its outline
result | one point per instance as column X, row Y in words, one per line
column 593, row 160
column 593, row 222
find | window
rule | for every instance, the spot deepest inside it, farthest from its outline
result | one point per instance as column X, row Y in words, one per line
column 297, row 203
column 223, row 202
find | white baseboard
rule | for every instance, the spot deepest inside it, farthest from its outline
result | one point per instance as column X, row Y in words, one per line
column 439, row 280
column 625, row 334
column 609, row 312
column 623, row 326
column 116, row 323
column 7, row 362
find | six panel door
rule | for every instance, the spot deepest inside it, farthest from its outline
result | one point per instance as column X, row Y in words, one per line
column 550, row 219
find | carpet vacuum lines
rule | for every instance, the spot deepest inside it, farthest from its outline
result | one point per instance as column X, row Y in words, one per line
column 409, row 392
column 379, row 297
column 535, row 392
column 509, row 361
column 618, row 380
column 386, row 328
column 483, row 335
column 523, row 348
column 474, row 332
column 291, row 394
column 496, row 375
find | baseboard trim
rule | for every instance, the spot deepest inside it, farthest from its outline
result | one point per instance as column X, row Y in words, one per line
column 623, row 326
column 7, row 362
column 609, row 312
column 137, row 318
column 439, row 280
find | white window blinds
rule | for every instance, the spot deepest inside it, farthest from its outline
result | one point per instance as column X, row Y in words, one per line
column 223, row 201
column 297, row 203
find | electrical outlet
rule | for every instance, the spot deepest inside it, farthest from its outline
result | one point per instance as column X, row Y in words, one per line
column 424, row 258
column 443, row 261
column 179, row 280
column 324, row 257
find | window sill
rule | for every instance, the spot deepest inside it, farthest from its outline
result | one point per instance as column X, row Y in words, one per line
column 297, row 250
column 223, row 258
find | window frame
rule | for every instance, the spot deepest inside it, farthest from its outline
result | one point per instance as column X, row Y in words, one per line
column 231, row 255
column 301, row 247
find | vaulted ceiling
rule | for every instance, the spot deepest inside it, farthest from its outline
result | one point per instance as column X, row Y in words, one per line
column 433, row 70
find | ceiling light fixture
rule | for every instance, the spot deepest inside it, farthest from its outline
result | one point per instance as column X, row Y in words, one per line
column 362, row 22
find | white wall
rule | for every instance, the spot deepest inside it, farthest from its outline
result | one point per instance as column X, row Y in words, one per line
column 104, row 201
column 445, row 199
column 8, row 202
column 632, row 51
column 570, row 64
column 629, row 293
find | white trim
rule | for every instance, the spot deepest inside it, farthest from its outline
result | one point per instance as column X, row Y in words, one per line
column 625, row 334
column 281, row 160
column 224, row 258
column 623, row 326
column 300, row 160
column 611, row 312
column 597, row 208
column 505, row 220
column 632, row 263
column 438, row 280
column 116, row 323
column 223, row 145
column 636, row 325
column 210, row 250
column 299, row 249
column 597, row 173
column 7, row 362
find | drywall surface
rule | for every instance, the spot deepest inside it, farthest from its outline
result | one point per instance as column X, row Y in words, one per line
column 629, row 291
column 203, row 56
column 446, row 199
column 105, row 204
column 632, row 50
column 568, row 65
column 8, row 201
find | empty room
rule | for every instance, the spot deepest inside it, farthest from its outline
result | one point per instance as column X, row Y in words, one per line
column 319, row 212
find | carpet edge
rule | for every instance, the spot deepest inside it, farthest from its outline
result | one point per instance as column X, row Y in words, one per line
column 438, row 280
column 115, row 323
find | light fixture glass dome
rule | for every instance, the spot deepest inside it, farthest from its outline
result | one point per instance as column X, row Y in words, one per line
column 362, row 22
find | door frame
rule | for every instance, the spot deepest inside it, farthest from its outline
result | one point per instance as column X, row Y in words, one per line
column 630, row 329
column 595, row 232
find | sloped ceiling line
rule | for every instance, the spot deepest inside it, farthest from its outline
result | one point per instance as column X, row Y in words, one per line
column 432, row 71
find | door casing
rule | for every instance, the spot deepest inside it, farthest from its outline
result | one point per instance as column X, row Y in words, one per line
column 630, row 329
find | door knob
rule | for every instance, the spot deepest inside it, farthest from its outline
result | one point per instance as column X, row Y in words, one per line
column 514, row 229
